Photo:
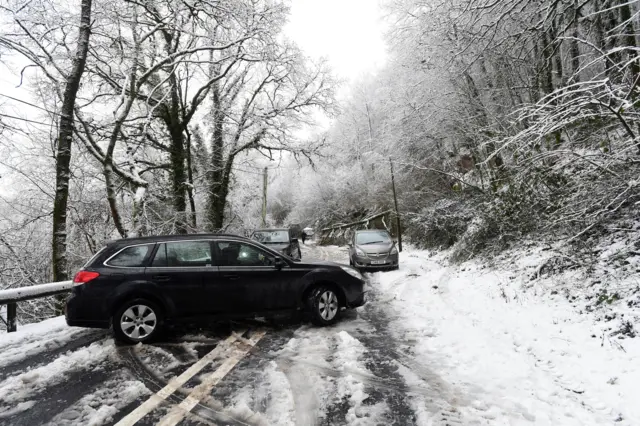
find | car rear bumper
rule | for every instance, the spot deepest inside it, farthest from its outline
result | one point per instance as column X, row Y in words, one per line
column 78, row 314
column 88, row 323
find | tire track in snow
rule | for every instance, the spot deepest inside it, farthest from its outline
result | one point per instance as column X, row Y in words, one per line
column 49, row 351
column 207, row 411
column 55, row 386
column 387, row 385
column 55, row 399
column 427, row 399
column 439, row 400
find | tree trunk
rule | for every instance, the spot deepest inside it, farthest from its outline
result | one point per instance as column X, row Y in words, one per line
column 138, row 209
column 111, row 197
column 611, row 23
column 192, row 202
column 177, row 159
column 598, row 26
column 575, row 48
column 219, row 171
column 63, row 152
column 547, row 64
column 534, row 91
column 558, row 53
column 629, row 38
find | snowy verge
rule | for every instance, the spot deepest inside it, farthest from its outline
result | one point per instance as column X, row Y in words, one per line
column 36, row 331
column 516, row 355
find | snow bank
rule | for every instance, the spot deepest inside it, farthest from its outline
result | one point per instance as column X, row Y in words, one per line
column 514, row 356
column 29, row 332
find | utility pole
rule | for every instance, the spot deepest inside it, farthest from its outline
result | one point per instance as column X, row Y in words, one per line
column 264, row 199
column 395, row 202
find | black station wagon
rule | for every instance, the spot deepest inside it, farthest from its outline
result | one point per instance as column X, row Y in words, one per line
column 135, row 285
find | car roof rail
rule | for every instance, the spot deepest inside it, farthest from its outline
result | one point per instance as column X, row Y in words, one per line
column 177, row 237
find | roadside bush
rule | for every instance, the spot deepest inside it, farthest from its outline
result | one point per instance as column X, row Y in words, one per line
column 439, row 226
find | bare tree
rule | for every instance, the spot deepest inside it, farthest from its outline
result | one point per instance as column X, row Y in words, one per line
column 31, row 47
column 256, row 108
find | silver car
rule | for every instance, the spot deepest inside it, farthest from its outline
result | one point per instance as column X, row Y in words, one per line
column 373, row 249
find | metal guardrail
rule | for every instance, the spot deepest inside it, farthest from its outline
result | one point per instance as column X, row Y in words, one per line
column 12, row 296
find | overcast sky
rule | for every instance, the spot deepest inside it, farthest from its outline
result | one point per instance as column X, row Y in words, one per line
column 347, row 32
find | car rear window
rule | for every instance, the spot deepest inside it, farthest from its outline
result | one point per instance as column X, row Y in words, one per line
column 93, row 258
column 131, row 256
column 183, row 253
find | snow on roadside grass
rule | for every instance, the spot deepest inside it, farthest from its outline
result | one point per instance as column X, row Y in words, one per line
column 518, row 357
column 19, row 387
column 101, row 406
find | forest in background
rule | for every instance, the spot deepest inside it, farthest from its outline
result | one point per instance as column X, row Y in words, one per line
column 504, row 120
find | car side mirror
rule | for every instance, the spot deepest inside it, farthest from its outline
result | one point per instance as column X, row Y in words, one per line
column 278, row 263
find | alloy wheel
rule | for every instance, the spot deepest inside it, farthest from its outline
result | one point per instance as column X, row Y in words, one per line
column 328, row 305
column 138, row 322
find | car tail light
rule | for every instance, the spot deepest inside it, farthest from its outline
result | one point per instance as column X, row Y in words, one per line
column 83, row 277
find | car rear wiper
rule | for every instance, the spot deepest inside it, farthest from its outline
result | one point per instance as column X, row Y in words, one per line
column 373, row 242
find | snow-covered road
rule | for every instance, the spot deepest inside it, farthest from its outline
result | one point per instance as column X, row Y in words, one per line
column 436, row 345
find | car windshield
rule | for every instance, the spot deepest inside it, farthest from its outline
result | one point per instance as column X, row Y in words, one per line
column 271, row 237
column 375, row 237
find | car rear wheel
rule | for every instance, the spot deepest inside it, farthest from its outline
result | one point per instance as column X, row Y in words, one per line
column 137, row 321
column 323, row 306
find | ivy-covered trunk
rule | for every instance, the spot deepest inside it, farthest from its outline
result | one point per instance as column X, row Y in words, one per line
column 177, row 157
column 219, row 170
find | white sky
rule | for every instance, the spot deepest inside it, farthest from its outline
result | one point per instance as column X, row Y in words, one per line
column 346, row 32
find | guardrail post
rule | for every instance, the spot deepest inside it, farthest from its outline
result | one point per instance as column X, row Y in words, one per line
column 12, row 309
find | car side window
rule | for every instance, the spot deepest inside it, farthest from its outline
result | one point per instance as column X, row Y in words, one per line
column 233, row 253
column 130, row 257
column 183, row 253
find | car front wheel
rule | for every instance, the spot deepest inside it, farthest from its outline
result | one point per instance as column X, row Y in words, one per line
column 137, row 321
column 323, row 306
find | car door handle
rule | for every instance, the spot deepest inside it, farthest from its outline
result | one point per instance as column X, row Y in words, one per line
column 161, row 277
column 231, row 276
